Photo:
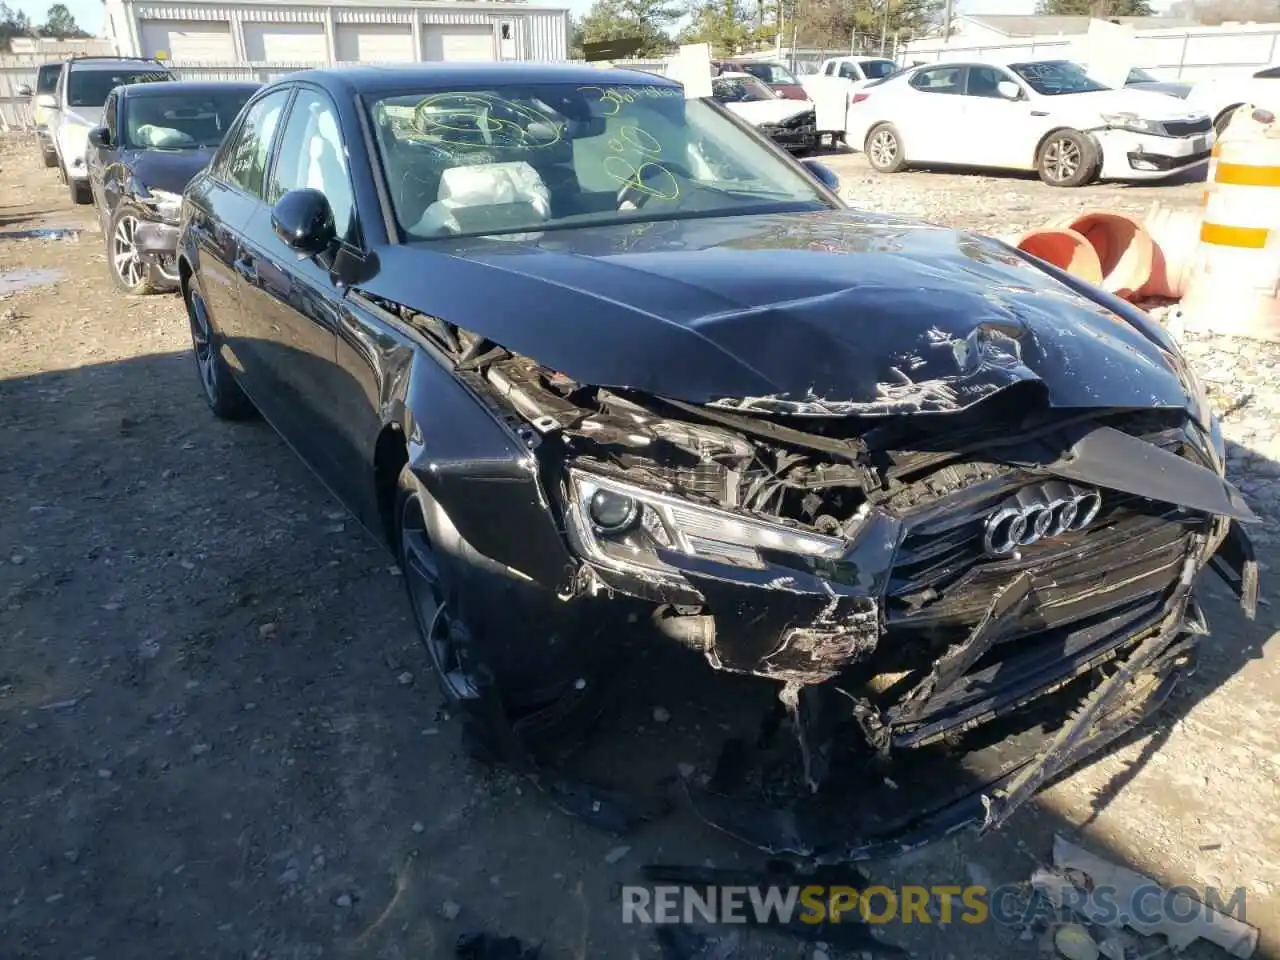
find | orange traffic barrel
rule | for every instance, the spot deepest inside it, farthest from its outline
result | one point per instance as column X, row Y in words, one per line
column 1124, row 248
column 1065, row 249
column 1234, row 287
column 1175, row 238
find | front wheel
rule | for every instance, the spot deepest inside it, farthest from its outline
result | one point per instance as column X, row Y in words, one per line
column 128, row 270
column 80, row 191
column 221, row 392
column 884, row 149
column 1068, row 159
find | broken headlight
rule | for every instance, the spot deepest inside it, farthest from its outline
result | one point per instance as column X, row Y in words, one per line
column 625, row 527
column 1130, row 121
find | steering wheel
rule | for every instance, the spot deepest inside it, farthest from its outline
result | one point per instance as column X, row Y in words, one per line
column 630, row 193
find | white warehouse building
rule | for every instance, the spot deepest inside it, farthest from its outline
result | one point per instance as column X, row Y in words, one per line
column 320, row 32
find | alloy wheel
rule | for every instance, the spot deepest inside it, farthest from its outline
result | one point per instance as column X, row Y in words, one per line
column 125, row 259
column 884, row 148
column 1061, row 159
column 437, row 628
column 202, row 342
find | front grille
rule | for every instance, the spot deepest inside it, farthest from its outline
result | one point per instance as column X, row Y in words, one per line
column 799, row 120
column 1187, row 128
column 942, row 580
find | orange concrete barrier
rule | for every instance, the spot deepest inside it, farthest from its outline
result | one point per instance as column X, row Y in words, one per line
column 1065, row 249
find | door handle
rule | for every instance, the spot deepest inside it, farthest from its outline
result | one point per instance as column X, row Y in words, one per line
column 246, row 269
column 1039, row 113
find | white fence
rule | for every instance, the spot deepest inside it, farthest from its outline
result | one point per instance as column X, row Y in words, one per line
column 1171, row 54
column 15, row 111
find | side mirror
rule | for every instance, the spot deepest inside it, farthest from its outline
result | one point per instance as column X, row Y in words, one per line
column 48, row 101
column 303, row 221
column 100, row 137
column 823, row 174
column 24, row 90
column 1009, row 90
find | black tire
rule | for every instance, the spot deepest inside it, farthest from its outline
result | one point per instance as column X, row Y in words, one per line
column 1068, row 158
column 80, row 191
column 458, row 598
column 221, row 392
column 1221, row 120
column 883, row 148
column 49, row 157
column 128, row 272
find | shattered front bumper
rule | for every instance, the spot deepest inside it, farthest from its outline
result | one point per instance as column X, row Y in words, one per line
column 981, row 773
column 158, row 246
column 1133, row 156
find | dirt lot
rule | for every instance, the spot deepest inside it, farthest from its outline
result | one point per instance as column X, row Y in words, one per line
column 218, row 737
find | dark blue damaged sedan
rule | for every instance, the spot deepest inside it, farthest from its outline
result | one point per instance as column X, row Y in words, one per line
column 589, row 355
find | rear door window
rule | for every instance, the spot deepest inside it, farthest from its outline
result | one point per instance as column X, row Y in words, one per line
column 939, row 80
column 246, row 157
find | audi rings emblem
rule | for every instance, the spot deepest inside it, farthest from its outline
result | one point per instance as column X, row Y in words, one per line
column 1039, row 513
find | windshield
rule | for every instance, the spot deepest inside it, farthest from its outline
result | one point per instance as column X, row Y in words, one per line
column 541, row 157
column 770, row 73
column 47, row 78
column 1052, row 77
column 89, row 88
column 181, row 120
column 878, row 69
column 740, row 90
column 1138, row 75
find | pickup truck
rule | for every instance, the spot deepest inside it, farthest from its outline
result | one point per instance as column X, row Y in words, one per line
column 833, row 84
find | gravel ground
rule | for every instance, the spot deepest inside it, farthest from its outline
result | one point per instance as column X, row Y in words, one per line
column 218, row 737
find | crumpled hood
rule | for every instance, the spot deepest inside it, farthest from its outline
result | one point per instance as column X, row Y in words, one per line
column 828, row 312
column 169, row 170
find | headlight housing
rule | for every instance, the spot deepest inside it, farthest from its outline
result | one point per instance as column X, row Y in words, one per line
column 1130, row 121
column 623, row 527
column 167, row 206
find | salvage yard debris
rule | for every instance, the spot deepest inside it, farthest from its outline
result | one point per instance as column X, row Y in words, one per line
column 1114, row 896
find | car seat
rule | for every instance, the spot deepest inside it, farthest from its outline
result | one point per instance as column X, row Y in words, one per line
column 493, row 195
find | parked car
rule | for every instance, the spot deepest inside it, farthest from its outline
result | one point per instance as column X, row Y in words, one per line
column 154, row 138
column 46, row 85
column 788, row 123
column 1140, row 79
column 582, row 353
column 75, row 108
column 1221, row 96
column 778, row 78
column 1049, row 116
column 833, row 87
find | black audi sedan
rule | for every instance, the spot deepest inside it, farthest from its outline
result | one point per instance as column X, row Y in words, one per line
column 153, row 139
column 586, row 354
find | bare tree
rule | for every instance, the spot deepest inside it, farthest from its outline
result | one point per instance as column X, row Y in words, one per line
column 1213, row 12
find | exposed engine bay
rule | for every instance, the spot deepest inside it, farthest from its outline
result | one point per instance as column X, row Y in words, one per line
column 918, row 584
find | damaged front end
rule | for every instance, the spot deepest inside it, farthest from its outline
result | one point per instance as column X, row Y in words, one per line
column 956, row 606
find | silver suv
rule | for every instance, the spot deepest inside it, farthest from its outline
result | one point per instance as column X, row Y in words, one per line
column 75, row 108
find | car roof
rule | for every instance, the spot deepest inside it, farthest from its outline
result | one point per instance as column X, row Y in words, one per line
column 169, row 88
column 736, row 76
column 112, row 63
column 380, row 78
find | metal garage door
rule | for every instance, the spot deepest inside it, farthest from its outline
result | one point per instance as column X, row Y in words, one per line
column 296, row 42
column 374, row 42
column 201, row 41
column 457, row 42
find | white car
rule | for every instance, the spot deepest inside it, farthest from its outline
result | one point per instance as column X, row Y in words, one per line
column 789, row 123
column 1047, row 115
column 1219, row 96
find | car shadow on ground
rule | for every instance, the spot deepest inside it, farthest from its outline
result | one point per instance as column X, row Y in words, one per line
column 1194, row 174
column 211, row 705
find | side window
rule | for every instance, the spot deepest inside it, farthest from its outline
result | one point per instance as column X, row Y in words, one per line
column 849, row 71
column 983, row 82
column 109, row 117
column 829, row 68
column 312, row 154
column 246, row 162
column 940, row 80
